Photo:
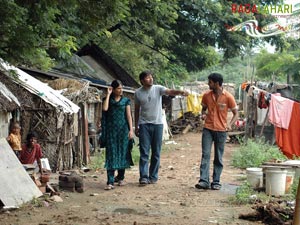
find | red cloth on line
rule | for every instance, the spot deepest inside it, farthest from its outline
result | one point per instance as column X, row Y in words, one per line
column 288, row 140
column 262, row 103
column 28, row 157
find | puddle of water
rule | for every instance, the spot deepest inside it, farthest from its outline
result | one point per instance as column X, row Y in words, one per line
column 126, row 211
column 229, row 188
column 145, row 213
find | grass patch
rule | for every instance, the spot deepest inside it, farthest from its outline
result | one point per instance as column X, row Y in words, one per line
column 98, row 158
column 245, row 194
column 135, row 154
column 254, row 153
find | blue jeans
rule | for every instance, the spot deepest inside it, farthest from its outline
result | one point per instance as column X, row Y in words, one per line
column 150, row 136
column 219, row 139
column 111, row 176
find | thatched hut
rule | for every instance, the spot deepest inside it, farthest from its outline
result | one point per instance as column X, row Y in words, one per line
column 88, row 98
column 51, row 115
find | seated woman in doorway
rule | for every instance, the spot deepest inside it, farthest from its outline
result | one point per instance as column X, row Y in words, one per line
column 31, row 151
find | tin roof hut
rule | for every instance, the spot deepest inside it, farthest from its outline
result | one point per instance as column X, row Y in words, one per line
column 47, row 112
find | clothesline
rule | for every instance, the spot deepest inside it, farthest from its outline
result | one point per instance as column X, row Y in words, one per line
column 283, row 113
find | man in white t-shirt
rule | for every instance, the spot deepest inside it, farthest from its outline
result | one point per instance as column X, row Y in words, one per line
column 149, row 125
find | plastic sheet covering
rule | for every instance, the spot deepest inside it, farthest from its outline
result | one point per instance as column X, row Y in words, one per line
column 7, row 94
column 194, row 103
column 41, row 89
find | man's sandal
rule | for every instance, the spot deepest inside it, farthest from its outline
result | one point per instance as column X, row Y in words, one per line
column 216, row 187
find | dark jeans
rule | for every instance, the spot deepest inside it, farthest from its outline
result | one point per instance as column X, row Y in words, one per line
column 111, row 176
column 219, row 139
column 150, row 136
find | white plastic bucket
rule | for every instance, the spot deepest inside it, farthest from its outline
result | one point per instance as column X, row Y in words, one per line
column 255, row 177
column 275, row 181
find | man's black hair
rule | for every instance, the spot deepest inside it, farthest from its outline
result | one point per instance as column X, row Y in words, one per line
column 30, row 135
column 145, row 74
column 216, row 77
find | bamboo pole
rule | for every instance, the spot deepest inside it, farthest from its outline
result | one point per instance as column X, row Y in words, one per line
column 296, row 220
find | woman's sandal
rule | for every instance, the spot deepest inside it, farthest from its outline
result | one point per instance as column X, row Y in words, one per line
column 121, row 183
column 109, row 187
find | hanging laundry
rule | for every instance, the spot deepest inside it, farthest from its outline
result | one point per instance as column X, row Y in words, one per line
column 280, row 111
column 261, row 116
column 250, row 91
column 244, row 85
column 262, row 103
column 247, row 88
column 288, row 140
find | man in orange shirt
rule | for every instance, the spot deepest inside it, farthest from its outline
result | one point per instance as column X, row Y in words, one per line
column 215, row 106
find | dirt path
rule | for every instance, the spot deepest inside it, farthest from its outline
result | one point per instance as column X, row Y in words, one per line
column 173, row 200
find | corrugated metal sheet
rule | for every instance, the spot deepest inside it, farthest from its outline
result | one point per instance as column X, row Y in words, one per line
column 16, row 185
column 7, row 94
column 41, row 89
column 101, row 72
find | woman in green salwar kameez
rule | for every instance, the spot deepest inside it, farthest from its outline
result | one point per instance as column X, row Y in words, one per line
column 116, row 133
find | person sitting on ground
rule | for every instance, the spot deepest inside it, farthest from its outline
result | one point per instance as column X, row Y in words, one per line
column 14, row 138
column 31, row 151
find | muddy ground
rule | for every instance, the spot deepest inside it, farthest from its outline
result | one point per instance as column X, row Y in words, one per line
column 173, row 200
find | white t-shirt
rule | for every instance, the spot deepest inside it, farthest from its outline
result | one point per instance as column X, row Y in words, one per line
column 150, row 101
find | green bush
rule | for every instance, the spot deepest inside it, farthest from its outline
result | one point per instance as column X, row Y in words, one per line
column 294, row 188
column 254, row 153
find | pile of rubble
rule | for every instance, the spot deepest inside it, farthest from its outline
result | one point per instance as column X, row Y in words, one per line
column 188, row 122
column 275, row 212
column 71, row 181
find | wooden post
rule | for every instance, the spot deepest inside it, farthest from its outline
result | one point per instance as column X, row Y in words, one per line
column 86, row 143
column 296, row 220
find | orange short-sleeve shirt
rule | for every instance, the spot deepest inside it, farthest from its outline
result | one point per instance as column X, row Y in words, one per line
column 217, row 109
column 15, row 141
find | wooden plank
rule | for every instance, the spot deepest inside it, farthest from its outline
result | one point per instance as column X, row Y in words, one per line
column 231, row 133
column 16, row 185
column 288, row 165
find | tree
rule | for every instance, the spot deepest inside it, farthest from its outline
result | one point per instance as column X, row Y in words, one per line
column 172, row 37
column 35, row 33
column 274, row 66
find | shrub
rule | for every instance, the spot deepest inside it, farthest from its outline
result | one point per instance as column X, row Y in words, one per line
column 254, row 153
column 294, row 188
